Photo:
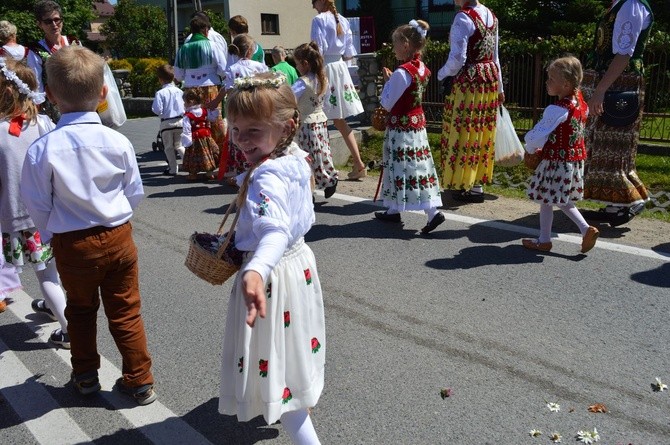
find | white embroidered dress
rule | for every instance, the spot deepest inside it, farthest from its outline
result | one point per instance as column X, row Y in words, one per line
column 278, row 365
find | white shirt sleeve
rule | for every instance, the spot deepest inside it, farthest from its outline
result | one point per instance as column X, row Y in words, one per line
column 552, row 117
column 157, row 104
column 299, row 88
column 318, row 34
column 461, row 30
column 36, row 191
column 268, row 196
column 399, row 81
column 349, row 49
column 186, row 136
column 631, row 19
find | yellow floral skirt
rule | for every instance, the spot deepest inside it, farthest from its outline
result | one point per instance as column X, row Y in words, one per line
column 468, row 134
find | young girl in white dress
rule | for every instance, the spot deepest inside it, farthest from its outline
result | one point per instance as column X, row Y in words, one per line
column 313, row 136
column 559, row 137
column 409, row 178
column 20, row 126
column 274, row 346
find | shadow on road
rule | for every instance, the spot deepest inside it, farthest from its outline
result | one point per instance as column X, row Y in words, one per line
column 659, row 277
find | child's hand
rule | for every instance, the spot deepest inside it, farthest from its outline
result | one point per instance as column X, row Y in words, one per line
column 386, row 73
column 254, row 296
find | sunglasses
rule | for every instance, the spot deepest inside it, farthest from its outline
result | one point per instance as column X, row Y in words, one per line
column 56, row 20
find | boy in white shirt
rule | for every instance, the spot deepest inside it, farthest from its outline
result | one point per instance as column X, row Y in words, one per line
column 169, row 105
column 80, row 183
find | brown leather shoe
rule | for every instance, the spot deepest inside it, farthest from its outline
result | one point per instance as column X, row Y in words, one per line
column 534, row 244
column 3, row 305
column 589, row 239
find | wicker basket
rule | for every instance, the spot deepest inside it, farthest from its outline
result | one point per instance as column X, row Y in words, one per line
column 532, row 160
column 213, row 267
column 380, row 118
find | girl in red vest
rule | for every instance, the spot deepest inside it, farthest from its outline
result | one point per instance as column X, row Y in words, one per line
column 559, row 136
column 202, row 153
column 409, row 179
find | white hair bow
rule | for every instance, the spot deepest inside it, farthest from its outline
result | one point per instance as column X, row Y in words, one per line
column 414, row 24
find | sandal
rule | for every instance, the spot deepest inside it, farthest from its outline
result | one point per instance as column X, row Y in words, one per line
column 143, row 395
column 354, row 174
column 86, row 383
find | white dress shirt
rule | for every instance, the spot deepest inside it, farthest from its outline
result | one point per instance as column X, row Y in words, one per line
column 168, row 102
column 80, row 175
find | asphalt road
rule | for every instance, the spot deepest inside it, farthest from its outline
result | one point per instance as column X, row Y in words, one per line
column 506, row 329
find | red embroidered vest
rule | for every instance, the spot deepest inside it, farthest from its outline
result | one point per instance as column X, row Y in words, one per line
column 407, row 113
column 566, row 143
column 481, row 44
column 199, row 126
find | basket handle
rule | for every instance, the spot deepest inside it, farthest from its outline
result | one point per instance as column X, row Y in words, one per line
column 239, row 201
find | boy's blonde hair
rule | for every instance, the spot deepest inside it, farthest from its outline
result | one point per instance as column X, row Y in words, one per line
column 12, row 102
column 569, row 68
column 76, row 77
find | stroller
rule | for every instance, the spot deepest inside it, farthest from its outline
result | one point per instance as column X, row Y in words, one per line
column 158, row 144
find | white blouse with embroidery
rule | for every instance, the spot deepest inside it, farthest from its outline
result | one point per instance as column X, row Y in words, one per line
column 325, row 35
column 630, row 21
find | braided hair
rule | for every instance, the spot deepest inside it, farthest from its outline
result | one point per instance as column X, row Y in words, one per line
column 333, row 9
column 309, row 52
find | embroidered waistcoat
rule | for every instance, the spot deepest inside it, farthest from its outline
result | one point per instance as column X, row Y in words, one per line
column 566, row 143
column 199, row 125
column 407, row 112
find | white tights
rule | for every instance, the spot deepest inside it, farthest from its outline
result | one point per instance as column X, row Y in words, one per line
column 299, row 427
column 547, row 219
column 54, row 297
column 431, row 212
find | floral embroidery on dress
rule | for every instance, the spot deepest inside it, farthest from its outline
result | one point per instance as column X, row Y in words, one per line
column 308, row 276
column 286, row 396
column 263, row 368
column 268, row 290
column 333, row 98
column 240, row 364
column 263, row 205
column 287, row 319
column 315, row 345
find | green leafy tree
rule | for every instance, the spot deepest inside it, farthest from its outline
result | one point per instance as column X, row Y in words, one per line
column 136, row 31
column 77, row 14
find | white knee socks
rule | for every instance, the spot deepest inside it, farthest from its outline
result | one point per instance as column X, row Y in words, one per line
column 299, row 427
column 52, row 292
column 573, row 213
column 546, row 221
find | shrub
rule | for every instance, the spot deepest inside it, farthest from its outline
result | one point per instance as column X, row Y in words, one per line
column 143, row 78
column 120, row 64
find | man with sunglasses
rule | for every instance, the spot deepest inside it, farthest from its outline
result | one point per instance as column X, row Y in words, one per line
column 50, row 20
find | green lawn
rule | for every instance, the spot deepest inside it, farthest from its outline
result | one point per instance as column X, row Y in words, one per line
column 654, row 171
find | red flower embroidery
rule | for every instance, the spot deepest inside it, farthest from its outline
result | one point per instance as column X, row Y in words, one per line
column 315, row 345
column 286, row 396
column 308, row 276
column 263, row 368
column 287, row 319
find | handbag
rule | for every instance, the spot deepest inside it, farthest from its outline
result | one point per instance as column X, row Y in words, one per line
column 509, row 150
column 620, row 108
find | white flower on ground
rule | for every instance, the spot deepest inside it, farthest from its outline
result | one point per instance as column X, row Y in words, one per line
column 553, row 407
column 660, row 386
column 535, row 433
column 588, row 436
column 555, row 437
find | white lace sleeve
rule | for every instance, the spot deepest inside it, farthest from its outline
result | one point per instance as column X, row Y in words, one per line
column 552, row 117
column 631, row 19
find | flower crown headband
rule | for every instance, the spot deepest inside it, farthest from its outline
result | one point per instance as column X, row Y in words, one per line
column 248, row 83
column 10, row 75
column 422, row 32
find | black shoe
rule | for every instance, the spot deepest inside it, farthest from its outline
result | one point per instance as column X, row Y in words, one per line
column 166, row 172
column 432, row 225
column 468, row 196
column 40, row 307
column 330, row 191
column 388, row 217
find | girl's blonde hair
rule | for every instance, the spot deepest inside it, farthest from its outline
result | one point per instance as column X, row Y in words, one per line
column 13, row 103
column 242, row 46
column 411, row 35
column 309, row 52
column 264, row 97
column 333, row 9
column 569, row 68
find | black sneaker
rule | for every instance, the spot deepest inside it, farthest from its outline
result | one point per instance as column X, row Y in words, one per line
column 330, row 191
column 388, row 217
column 40, row 307
column 143, row 395
column 60, row 338
column 432, row 225
column 86, row 383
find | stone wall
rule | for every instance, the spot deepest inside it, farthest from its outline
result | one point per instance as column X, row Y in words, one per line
column 370, row 77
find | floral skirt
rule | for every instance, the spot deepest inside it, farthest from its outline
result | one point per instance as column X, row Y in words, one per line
column 557, row 182
column 202, row 156
column 25, row 246
column 409, row 179
column 610, row 175
column 468, row 134
column 341, row 100
column 278, row 365
column 314, row 139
